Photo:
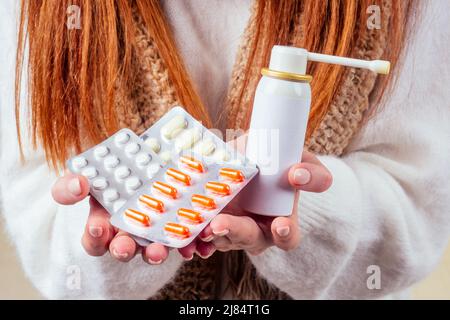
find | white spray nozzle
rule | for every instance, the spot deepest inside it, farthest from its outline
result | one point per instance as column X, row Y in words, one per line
column 292, row 59
column 378, row 66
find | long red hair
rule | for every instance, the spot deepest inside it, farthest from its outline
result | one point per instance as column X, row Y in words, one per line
column 73, row 73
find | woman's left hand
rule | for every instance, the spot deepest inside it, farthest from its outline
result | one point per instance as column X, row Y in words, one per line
column 235, row 229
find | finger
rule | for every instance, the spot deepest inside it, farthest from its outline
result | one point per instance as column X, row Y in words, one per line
column 155, row 253
column 207, row 234
column 98, row 231
column 205, row 249
column 70, row 189
column 240, row 230
column 188, row 252
column 122, row 247
column 223, row 244
column 285, row 233
column 310, row 157
column 310, row 177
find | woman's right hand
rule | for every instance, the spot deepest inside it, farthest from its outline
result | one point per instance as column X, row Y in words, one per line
column 99, row 235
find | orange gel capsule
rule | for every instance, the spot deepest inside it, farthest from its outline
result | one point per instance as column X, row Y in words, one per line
column 232, row 174
column 177, row 229
column 152, row 203
column 137, row 216
column 166, row 189
column 192, row 163
column 191, row 215
column 179, row 176
column 203, row 201
column 218, row 187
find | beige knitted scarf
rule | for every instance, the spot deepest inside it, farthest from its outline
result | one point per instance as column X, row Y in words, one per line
column 153, row 95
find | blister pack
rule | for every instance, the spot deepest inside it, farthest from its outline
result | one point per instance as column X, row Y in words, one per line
column 200, row 176
column 116, row 168
column 168, row 184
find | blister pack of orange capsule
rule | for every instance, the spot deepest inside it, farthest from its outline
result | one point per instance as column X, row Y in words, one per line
column 199, row 175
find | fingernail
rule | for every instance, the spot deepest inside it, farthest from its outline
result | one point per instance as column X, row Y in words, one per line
column 119, row 255
column 208, row 239
column 96, row 232
column 74, row 186
column 207, row 256
column 222, row 233
column 283, row 231
column 154, row 262
column 301, row 176
column 188, row 258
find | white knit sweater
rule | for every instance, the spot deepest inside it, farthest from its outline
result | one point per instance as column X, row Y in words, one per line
column 389, row 205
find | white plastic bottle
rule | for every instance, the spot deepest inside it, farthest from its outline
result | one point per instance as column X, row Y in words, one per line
column 278, row 126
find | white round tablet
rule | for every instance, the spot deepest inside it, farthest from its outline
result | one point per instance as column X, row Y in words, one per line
column 89, row 172
column 101, row 151
column 133, row 183
column 110, row 195
column 152, row 169
column 111, row 162
column 99, row 184
column 122, row 172
column 79, row 162
column 143, row 159
column 122, row 138
column 132, row 148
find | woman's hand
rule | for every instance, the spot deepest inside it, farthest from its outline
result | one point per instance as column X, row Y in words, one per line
column 99, row 235
column 235, row 229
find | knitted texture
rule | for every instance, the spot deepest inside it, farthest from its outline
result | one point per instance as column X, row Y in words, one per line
column 152, row 94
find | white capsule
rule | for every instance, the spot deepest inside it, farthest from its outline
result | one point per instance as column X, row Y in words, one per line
column 101, row 151
column 236, row 162
column 118, row 204
column 172, row 128
column 205, row 147
column 166, row 156
column 222, row 155
column 132, row 148
column 154, row 144
column 187, row 139
column 99, row 184
column 111, row 162
column 152, row 170
column 122, row 172
column 122, row 138
column 79, row 162
column 110, row 195
column 143, row 159
column 133, row 183
column 89, row 172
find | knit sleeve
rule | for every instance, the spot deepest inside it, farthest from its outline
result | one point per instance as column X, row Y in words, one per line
column 46, row 235
column 385, row 222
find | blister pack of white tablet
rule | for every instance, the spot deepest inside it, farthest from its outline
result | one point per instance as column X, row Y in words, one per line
column 201, row 174
column 116, row 169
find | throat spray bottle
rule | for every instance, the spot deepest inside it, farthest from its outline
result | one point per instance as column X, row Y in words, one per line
column 278, row 125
